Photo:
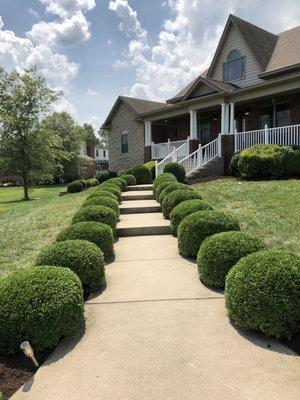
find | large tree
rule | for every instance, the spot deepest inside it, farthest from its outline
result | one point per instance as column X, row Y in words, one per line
column 27, row 150
column 71, row 136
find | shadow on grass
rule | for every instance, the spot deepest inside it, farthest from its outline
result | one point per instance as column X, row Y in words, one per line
column 261, row 340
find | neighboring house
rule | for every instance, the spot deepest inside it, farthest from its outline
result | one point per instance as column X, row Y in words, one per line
column 97, row 156
column 252, row 84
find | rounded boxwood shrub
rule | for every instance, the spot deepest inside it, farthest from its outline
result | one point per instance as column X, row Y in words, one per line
column 108, row 187
column 94, row 232
column 113, row 182
column 151, row 166
column 81, row 256
column 103, row 201
column 103, row 193
column 75, row 187
column 102, row 176
column 83, row 181
column 92, row 182
column 96, row 213
column 184, row 209
column 262, row 293
column 220, row 252
column 176, row 169
column 171, row 188
column 291, row 160
column 41, row 305
column 164, row 177
column 263, row 161
column 130, row 179
column 174, row 198
column 142, row 174
column 198, row 226
column 121, row 183
column 161, row 186
column 233, row 166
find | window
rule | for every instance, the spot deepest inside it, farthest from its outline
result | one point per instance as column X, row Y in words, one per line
column 205, row 130
column 124, row 142
column 234, row 68
column 275, row 115
column 104, row 153
column 283, row 115
column 266, row 117
column 97, row 153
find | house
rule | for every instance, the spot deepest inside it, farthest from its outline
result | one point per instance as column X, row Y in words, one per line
column 96, row 155
column 249, row 94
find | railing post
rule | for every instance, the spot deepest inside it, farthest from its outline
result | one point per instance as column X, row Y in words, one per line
column 156, row 168
column 219, row 145
column 200, row 155
column 266, row 134
column 152, row 151
column 188, row 146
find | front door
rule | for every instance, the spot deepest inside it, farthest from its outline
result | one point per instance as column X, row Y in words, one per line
column 205, row 130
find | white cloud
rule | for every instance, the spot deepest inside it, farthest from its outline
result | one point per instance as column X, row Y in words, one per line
column 128, row 16
column 188, row 39
column 91, row 92
column 65, row 105
column 70, row 31
column 34, row 13
column 19, row 53
column 95, row 121
column 67, row 8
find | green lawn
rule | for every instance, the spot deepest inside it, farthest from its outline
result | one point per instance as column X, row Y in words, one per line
column 26, row 227
column 269, row 209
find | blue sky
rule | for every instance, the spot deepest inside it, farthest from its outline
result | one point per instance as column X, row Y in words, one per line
column 97, row 49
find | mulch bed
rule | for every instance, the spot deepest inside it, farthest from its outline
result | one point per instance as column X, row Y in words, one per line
column 16, row 370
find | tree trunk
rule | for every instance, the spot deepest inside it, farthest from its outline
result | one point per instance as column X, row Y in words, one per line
column 25, row 187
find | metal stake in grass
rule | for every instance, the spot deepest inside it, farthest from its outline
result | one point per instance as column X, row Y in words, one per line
column 28, row 351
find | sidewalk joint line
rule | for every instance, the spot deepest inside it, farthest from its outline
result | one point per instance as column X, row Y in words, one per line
column 154, row 300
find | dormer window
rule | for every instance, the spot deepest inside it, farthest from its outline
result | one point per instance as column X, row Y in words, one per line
column 234, row 68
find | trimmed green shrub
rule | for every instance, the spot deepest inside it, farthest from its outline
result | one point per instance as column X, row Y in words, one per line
column 151, row 166
column 142, row 174
column 233, row 166
column 40, row 305
column 130, row 179
column 103, row 193
column 291, row 160
column 184, row 209
column 161, row 186
column 198, row 226
column 94, row 232
column 114, row 182
column 262, row 293
column 164, row 177
column 83, row 181
column 75, row 187
column 113, row 174
column 82, row 257
column 108, row 187
column 96, row 213
column 171, row 188
column 92, row 182
column 176, row 169
column 103, row 201
column 261, row 162
column 220, row 252
column 122, row 184
column 102, row 176
column 176, row 197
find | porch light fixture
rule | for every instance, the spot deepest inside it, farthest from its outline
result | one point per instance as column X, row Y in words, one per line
column 247, row 113
column 28, row 351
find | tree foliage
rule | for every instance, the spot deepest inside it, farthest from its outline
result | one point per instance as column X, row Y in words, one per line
column 27, row 150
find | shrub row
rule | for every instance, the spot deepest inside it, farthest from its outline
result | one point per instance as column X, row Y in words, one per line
column 44, row 302
column 266, row 162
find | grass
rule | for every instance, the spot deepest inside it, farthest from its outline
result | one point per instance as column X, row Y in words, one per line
column 268, row 209
column 26, row 227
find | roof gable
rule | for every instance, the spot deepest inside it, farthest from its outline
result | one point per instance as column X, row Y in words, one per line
column 260, row 42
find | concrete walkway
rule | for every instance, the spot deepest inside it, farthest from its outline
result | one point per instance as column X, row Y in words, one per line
column 157, row 333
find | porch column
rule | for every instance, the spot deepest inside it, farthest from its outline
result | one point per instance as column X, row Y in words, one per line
column 231, row 131
column 148, row 134
column 223, row 118
column 193, row 125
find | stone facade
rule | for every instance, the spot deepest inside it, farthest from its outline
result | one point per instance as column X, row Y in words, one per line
column 124, row 121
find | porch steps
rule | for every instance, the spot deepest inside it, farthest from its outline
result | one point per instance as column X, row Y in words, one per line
column 143, row 224
column 139, row 207
column 214, row 167
column 137, row 195
column 139, row 187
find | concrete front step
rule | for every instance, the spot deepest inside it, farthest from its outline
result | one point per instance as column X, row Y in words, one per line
column 140, row 187
column 143, row 224
column 138, row 195
column 139, row 206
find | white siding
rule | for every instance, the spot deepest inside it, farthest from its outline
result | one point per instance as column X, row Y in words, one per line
column 234, row 41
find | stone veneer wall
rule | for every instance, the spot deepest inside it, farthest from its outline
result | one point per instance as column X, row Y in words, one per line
column 124, row 121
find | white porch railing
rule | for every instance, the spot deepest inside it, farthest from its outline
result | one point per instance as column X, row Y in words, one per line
column 203, row 155
column 161, row 150
column 175, row 156
column 283, row 136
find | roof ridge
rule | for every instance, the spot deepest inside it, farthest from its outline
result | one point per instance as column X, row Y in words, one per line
column 250, row 23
